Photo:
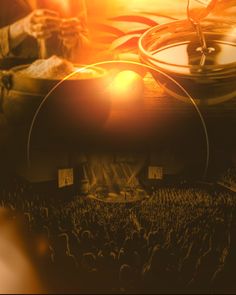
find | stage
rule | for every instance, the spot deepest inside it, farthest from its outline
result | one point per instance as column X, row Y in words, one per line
column 122, row 197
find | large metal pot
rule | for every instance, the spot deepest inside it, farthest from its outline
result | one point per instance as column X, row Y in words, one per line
column 22, row 95
column 10, row 62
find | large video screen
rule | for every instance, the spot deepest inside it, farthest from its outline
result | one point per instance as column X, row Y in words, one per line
column 65, row 177
column 155, row 172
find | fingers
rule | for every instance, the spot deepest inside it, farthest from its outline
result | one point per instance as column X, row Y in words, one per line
column 43, row 23
column 71, row 22
column 41, row 35
column 70, row 30
column 46, row 12
column 46, row 20
column 70, row 38
column 70, row 42
column 41, row 31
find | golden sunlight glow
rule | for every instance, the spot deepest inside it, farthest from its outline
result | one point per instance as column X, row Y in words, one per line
column 169, row 7
column 64, row 5
column 127, row 85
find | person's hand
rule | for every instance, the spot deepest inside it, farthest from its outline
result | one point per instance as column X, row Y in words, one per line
column 41, row 23
column 70, row 30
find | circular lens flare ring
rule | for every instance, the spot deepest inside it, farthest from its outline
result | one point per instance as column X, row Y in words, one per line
column 120, row 62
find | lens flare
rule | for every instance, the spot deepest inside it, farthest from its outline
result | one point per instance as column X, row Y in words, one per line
column 62, row 6
column 127, row 86
column 126, row 63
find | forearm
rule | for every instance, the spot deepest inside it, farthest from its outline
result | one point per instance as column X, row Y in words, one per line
column 10, row 37
column 17, row 34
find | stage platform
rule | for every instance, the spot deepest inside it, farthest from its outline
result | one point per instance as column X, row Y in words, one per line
column 119, row 198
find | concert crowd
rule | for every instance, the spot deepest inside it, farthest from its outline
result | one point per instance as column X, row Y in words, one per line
column 177, row 240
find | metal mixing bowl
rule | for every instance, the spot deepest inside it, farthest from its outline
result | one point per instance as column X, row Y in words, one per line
column 210, row 84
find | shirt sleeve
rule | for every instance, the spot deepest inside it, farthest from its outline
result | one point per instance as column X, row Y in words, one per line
column 4, row 42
